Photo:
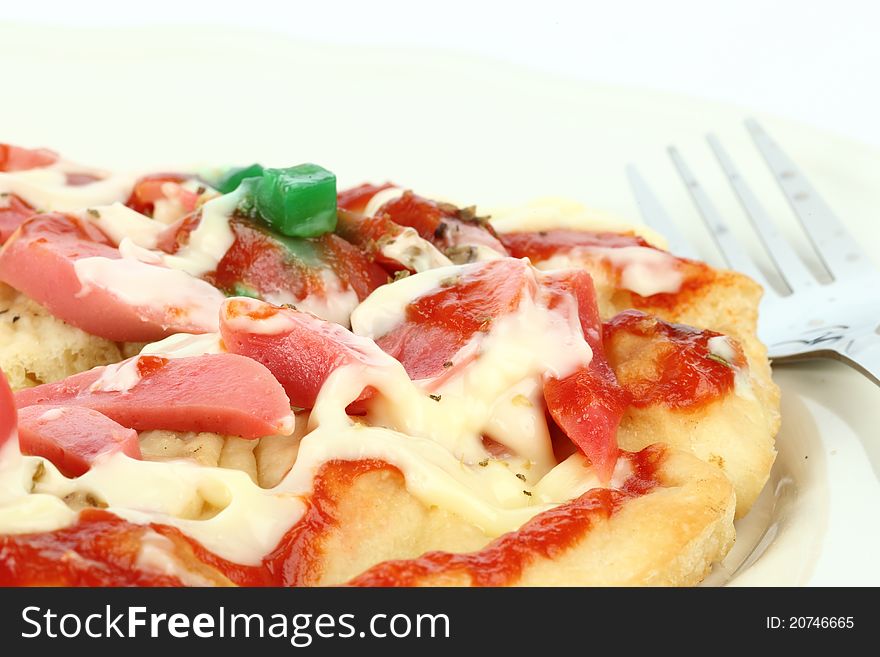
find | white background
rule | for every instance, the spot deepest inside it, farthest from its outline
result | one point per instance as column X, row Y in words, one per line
column 813, row 61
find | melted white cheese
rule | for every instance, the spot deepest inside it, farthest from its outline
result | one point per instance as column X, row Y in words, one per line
column 118, row 221
column 643, row 270
column 171, row 209
column 211, row 239
column 222, row 509
column 155, row 556
column 410, row 250
column 118, row 377
column 482, row 253
column 52, row 414
column 333, row 303
column 185, row 345
column 508, row 361
column 46, row 189
column 721, row 346
column 381, row 198
column 385, row 308
column 207, row 244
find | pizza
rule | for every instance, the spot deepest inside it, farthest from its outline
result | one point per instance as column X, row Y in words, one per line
column 246, row 376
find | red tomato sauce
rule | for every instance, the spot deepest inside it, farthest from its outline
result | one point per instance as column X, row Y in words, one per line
column 442, row 224
column 370, row 234
column 440, row 323
column 696, row 276
column 357, row 198
column 147, row 365
column 297, row 559
column 352, row 265
column 258, row 262
column 148, row 189
column 544, row 244
column 99, row 550
column 685, row 375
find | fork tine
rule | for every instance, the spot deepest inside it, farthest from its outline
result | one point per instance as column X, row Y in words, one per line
column 733, row 253
column 792, row 269
column 838, row 251
column 656, row 217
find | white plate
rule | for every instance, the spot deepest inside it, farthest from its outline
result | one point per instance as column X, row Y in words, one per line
column 481, row 131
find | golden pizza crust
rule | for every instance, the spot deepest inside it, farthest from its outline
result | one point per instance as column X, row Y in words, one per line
column 36, row 347
column 737, row 432
column 715, row 461
column 669, row 536
column 732, row 434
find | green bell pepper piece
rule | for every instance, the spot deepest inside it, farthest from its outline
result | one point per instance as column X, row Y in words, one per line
column 298, row 201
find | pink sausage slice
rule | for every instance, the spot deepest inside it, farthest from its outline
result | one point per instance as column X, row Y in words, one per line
column 7, row 411
column 300, row 349
column 12, row 214
column 16, row 158
column 221, row 393
column 73, row 437
column 124, row 300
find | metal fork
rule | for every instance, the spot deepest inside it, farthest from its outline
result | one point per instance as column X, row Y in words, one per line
column 836, row 320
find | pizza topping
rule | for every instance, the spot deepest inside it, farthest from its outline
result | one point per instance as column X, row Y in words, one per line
column 106, row 549
column 325, row 275
column 500, row 323
column 7, row 410
column 161, row 301
column 71, row 267
column 638, row 266
column 119, row 222
column 299, row 349
column 357, row 199
column 393, row 247
column 444, row 225
column 589, row 403
column 299, row 201
column 151, row 190
column 672, row 364
column 457, row 233
column 483, row 361
column 436, row 325
column 413, row 252
column 222, row 393
column 73, row 438
column 210, row 239
column 544, row 244
column 13, row 212
column 183, row 345
column 16, row 158
column 44, row 182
